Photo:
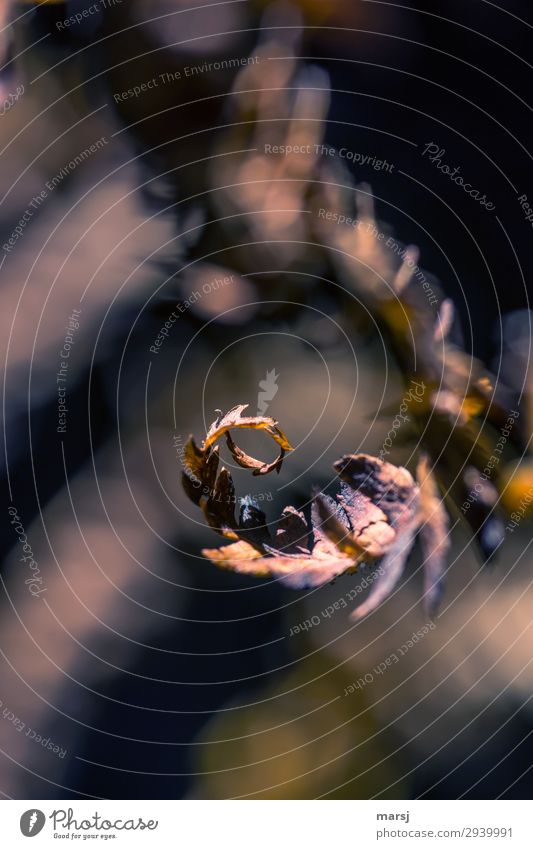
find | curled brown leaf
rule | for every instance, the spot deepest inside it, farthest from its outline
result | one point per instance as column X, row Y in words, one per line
column 210, row 486
column 234, row 419
column 373, row 518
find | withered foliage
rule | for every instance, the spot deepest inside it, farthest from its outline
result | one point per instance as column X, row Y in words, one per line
column 373, row 519
column 466, row 407
column 283, row 202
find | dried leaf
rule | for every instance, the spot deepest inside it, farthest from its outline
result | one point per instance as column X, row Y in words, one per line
column 389, row 487
column 344, row 532
column 305, row 571
column 200, row 470
column 234, row 419
column 292, row 535
column 463, row 399
column 212, row 488
column 387, row 496
column 246, row 462
column 390, row 572
column 374, row 518
column 240, row 557
column 289, row 560
column 365, row 534
column 309, row 567
column 252, row 523
column 219, row 505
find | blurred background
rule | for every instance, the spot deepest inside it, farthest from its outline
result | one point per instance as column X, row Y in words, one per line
column 144, row 176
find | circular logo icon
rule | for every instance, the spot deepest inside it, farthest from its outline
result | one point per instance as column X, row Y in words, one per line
column 32, row 822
